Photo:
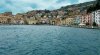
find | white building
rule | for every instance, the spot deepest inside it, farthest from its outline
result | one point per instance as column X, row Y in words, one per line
column 97, row 17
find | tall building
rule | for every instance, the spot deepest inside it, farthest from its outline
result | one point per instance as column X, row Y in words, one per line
column 97, row 17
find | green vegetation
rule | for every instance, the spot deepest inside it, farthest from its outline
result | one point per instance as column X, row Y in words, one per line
column 96, row 6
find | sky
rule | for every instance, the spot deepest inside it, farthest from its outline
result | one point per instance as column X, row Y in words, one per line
column 21, row 6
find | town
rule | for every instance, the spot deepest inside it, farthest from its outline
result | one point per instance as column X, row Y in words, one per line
column 72, row 15
column 49, row 27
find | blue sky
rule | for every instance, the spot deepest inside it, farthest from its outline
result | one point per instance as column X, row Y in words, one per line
column 20, row 6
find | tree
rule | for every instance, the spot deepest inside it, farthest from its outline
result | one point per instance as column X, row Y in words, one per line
column 94, row 24
column 96, row 6
column 98, row 2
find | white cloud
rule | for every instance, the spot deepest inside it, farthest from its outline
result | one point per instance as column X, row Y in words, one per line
column 81, row 1
column 26, row 5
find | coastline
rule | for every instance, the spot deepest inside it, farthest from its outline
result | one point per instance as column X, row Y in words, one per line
column 74, row 26
column 85, row 27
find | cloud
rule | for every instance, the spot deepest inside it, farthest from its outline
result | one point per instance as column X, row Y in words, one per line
column 81, row 1
column 17, row 6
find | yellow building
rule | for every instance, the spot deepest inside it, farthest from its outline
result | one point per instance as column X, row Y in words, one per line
column 6, row 20
column 67, row 21
column 52, row 21
column 31, row 21
column 58, row 21
column 19, row 19
column 55, row 21
column 63, row 22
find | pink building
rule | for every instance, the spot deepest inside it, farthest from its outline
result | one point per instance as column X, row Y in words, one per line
column 86, row 19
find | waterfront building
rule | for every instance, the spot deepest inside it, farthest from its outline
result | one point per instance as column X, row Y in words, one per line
column 55, row 21
column 63, row 21
column 86, row 19
column 69, row 21
column 6, row 18
column 44, row 20
column 77, row 20
column 19, row 19
column 52, row 22
column 82, row 19
column 93, row 18
column 58, row 21
column 96, row 15
column 31, row 21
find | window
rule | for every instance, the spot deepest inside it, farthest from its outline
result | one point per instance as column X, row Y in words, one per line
column 95, row 17
column 96, row 20
column 99, row 21
column 96, row 14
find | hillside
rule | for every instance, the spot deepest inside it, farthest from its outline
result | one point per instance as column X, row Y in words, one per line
column 81, row 6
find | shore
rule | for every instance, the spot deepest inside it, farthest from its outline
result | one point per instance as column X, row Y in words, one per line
column 85, row 27
column 74, row 26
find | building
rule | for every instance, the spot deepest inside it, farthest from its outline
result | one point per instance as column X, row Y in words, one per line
column 96, row 16
column 63, row 21
column 31, row 21
column 19, row 19
column 58, row 21
column 69, row 21
column 6, row 19
column 52, row 21
column 55, row 21
column 44, row 20
column 86, row 19
column 77, row 20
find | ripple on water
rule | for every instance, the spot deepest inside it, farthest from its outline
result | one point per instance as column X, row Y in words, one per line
column 48, row 40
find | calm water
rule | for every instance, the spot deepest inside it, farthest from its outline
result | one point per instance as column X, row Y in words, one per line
column 48, row 40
